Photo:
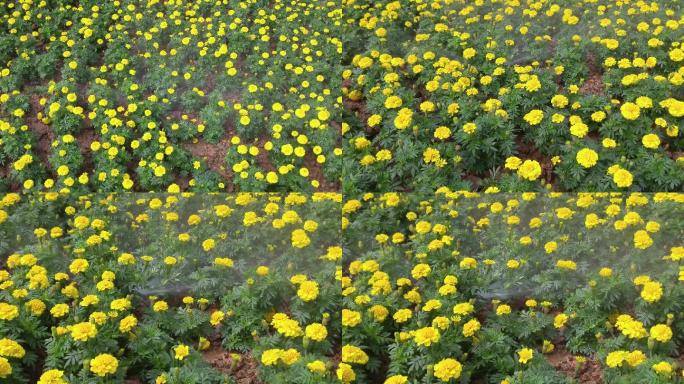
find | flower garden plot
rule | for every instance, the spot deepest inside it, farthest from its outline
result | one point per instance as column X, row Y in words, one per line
column 169, row 95
column 513, row 288
column 157, row 288
column 570, row 95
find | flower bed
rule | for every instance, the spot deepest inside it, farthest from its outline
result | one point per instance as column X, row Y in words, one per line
column 169, row 288
column 168, row 96
column 513, row 288
column 520, row 96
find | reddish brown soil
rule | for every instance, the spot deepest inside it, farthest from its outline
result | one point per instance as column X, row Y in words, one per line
column 360, row 109
column 589, row 372
column 213, row 154
column 43, row 132
column 233, row 97
column 84, row 138
column 316, row 173
column 243, row 371
column 594, row 84
column 218, row 358
column 675, row 154
column 475, row 180
column 262, row 158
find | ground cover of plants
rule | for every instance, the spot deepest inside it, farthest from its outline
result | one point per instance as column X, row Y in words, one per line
column 513, row 288
column 521, row 95
column 169, row 288
column 293, row 167
column 152, row 95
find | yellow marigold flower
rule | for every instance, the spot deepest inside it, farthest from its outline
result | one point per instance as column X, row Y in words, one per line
column 642, row 240
column 503, row 309
column 635, row 358
column 663, row 368
column 402, row 315
column 354, row 355
column 317, row 366
column 59, row 310
column 300, row 239
column 403, row 118
column 447, row 369
column 181, row 351
column 622, row 178
column 559, row 101
column 442, row 133
column 530, row 170
column 534, row 117
column 8, row 311
column 650, row 141
column 160, row 306
column 308, row 291
column 661, row 333
column 616, row 358
column 566, row 264
column 559, row 320
column 525, row 355
column 271, row 356
column 630, row 111
column 52, row 376
column 350, row 318
column 78, row 266
column 316, row 332
column 208, row 244
column 469, row 128
column 5, row 368
column 216, row 318
column 83, row 331
column 587, row 157
column 598, row 116
column 120, row 304
column 421, row 270
column 426, row 336
column 652, row 291
column 513, row 163
column 104, row 364
column 393, row 102
column 471, row 327
column 128, row 323
column 224, row 262
column 10, row 348
column 345, row 373
column 605, row 272
column 396, row 379
column 463, row 309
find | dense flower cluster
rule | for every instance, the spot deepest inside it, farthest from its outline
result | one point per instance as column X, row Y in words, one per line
column 113, row 287
column 154, row 96
column 581, row 96
column 396, row 174
column 496, row 287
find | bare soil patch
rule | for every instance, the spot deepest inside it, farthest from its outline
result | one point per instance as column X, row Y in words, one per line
column 243, row 371
column 213, row 155
column 588, row 372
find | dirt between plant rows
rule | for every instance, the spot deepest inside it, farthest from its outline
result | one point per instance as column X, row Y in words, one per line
column 213, row 154
column 243, row 371
column 588, row 372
